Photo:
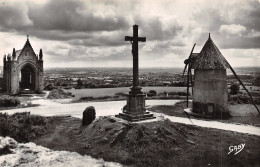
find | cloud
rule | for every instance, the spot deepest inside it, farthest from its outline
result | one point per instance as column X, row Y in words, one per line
column 14, row 18
column 59, row 19
column 241, row 42
column 251, row 17
column 242, row 57
column 232, row 21
column 232, row 29
column 91, row 31
column 105, row 38
column 156, row 29
column 87, row 20
column 70, row 15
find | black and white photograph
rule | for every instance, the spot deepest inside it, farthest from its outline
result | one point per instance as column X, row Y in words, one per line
column 135, row 83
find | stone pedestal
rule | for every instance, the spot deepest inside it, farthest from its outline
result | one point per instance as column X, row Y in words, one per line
column 135, row 108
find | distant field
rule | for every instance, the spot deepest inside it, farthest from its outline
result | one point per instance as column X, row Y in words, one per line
column 112, row 91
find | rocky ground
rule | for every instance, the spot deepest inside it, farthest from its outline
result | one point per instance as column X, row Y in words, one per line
column 157, row 143
column 13, row 154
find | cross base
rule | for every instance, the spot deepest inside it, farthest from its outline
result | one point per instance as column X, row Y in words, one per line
column 135, row 109
column 135, row 118
column 136, row 90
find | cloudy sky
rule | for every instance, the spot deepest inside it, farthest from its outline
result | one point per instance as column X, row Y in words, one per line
column 90, row 33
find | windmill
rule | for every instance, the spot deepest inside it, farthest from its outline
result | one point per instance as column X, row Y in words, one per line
column 188, row 63
column 210, row 95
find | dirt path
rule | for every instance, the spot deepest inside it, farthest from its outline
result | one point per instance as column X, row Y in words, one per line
column 62, row 107
column 215, row 124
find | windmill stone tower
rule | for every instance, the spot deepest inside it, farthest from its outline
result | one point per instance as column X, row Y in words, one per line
column 210, row 95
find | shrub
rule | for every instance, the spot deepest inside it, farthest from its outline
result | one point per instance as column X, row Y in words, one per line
column 103, row 97
column 22, row 126
column 59, row 94
column 243, row 99
column 178, row 93
column 116, row 96
column 152, row 93
column 180, row 84
column 89, row 115
column 64, row 84
column 87, row 98
column 89, row 85
column 68, row 87
column 257, row 80
column 78, row 87
column 9, row 101
column 162, row 94
column 58, row 84
column 79, row 83
column 49, row 87
column 120, row 94
column 234, row 89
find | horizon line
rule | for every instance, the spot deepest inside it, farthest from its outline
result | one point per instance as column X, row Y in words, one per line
column 146, row 67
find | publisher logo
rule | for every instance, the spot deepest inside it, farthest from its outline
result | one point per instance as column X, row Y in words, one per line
column 236, row 149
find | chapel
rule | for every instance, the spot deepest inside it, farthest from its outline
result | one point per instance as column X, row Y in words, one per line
column 23, row 71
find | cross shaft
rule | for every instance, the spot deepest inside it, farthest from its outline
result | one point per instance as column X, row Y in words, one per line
column 134, row 40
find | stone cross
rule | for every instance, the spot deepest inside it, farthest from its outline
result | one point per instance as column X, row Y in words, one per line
column 135, row 110
column 134, row 40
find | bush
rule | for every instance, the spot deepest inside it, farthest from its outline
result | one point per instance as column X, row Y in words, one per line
column 58, row 84
column 178, row 93
column 64, row 84
column 103, row 97
column 116, row 96
column 9, row 101
column 234, row 89
column 89, row 115
column 90, row 98
column 49, row 87
column 120, row 94
column 179, row 84
column 79, row 83
column 22, row 126
column 59, row 94
column 242, row 99
column 77, row 87
column 89, row 85
column 87, row 98
column 257, row 80
column 151, row 93
column 68, row 87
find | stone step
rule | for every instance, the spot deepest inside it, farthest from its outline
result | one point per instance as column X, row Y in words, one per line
column 135, row 118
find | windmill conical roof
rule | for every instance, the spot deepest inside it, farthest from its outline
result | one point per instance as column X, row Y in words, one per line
column 210, row 57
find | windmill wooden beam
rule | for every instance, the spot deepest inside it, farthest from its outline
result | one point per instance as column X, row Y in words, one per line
column 241, row 83
column 189, row 74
